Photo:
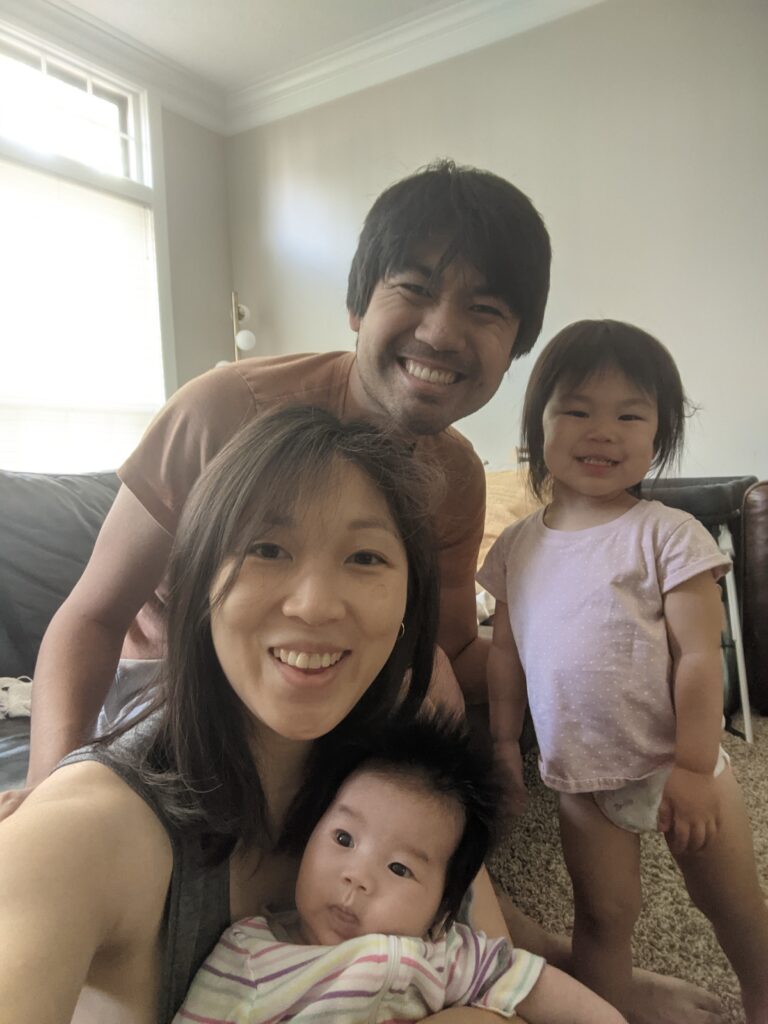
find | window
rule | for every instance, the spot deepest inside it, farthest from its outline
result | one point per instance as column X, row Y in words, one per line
column 80, row 345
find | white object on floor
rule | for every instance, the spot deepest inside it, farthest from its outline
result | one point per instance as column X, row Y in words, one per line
column 15, row 697
column 486, row 605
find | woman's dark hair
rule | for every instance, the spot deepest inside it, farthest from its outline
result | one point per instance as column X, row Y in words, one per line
column 201, row 752
column 586, row 348
column 434, row 752
column 480, row 218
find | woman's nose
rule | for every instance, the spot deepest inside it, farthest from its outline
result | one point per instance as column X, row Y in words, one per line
column 314, row 596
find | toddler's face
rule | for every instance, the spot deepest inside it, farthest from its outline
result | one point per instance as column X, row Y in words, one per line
column 599, row 436
column 377, row 860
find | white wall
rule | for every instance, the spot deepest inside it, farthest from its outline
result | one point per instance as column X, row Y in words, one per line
column 198, row 245
column 638, row 128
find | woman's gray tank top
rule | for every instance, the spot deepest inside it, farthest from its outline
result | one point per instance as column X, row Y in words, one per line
column 197, row 905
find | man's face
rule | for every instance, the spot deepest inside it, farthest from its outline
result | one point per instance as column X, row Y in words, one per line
column 429, row 354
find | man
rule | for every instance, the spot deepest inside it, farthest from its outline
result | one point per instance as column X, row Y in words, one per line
column 448, row 285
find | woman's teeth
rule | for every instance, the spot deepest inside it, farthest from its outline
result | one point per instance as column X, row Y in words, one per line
column 430, row 375
column 301, row 659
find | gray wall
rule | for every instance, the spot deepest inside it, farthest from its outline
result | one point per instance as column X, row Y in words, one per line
column 638, row 127
column 198, row 244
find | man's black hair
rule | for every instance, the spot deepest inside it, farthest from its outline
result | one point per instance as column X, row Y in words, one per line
column 475, row 216
column 434, row 751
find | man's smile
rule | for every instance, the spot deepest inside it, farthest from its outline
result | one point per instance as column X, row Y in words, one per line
column 429, row 373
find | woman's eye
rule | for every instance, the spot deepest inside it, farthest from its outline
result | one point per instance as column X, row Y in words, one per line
column 267, row 551
column 343, row 838
column 400, row 870
column 413, row 288
column 366, row 558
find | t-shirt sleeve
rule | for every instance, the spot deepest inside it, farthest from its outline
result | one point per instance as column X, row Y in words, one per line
column 689, row 550
column 488, row 973
column 193, row 426
column 493, row 573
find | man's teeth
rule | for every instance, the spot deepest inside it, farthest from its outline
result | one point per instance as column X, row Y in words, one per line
column 301, row 659
column 425, row 373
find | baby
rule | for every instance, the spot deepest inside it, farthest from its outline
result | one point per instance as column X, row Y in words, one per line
column 384, row 872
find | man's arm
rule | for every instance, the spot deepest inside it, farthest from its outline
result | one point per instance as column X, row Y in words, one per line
column 457, row 635
column 81, row 647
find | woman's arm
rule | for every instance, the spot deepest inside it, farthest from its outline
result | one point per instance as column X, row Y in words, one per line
column 689, row 813
column 85, row 870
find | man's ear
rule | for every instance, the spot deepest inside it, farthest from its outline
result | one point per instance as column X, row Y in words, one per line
column 354, row 320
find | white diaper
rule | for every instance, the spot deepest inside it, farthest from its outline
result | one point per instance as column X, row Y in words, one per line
column 635, row 807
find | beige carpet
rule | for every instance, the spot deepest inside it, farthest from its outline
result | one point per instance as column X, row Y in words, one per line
column 671, row 936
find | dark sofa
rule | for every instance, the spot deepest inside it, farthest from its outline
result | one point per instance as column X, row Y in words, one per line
column 48, row 525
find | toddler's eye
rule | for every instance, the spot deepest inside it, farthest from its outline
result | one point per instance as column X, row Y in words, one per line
column 400, row 870
column 579, row 413
column 628, row 416
column 267, row 551
column 343, row 838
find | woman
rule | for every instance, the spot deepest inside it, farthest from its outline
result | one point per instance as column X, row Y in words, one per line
column 303, row 588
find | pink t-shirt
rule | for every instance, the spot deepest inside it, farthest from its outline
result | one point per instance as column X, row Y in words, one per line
column 586, row 610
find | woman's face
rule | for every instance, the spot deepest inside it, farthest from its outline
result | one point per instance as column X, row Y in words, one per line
column 315, row 609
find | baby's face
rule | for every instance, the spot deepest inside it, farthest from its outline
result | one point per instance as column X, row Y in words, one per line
column 377, row 860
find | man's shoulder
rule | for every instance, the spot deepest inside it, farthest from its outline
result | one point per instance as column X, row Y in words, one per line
column 302, row 377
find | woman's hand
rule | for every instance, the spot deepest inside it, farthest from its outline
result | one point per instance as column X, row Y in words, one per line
column 689, row 814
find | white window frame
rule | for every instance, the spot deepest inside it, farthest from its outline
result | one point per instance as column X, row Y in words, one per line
column 149, row 191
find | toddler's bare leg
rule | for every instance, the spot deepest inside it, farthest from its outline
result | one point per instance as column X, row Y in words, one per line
column 604, row 864
column 722, row 882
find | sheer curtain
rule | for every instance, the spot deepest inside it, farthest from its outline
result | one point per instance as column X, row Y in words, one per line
column 80, row 351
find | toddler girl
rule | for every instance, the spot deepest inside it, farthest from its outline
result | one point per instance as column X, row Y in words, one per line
column 405, row 818
column 608, row 624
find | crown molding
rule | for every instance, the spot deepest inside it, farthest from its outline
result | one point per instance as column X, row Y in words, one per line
column 466, row 25
column 59, row 24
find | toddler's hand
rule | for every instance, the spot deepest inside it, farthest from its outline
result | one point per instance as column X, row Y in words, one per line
column 689, row 814
column 510, row 762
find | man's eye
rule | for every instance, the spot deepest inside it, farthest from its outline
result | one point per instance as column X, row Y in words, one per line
column 366, row 558
column 267, row 551
column 414, row 288
column 400, row 870
column 343, row 838
column 486, row 310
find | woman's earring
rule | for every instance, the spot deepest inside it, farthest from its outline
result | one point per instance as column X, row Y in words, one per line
column 401, row 631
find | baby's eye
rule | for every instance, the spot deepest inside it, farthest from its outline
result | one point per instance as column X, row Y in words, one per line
column 400, row 870
column 366, row 558
column 267, row 551
column 343, row 838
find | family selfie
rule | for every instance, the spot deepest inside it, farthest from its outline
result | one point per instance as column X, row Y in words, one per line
column 383, row 570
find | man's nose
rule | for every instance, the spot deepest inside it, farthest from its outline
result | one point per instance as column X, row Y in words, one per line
column 314, row 596
column 440, row 326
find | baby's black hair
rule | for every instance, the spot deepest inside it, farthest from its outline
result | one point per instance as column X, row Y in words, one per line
column 435, row 751
column 589, row 347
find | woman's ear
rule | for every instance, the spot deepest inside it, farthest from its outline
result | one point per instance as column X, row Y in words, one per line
column 354, row 320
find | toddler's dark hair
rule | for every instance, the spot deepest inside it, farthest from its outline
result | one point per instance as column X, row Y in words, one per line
column 586, row 348
column 433, row 751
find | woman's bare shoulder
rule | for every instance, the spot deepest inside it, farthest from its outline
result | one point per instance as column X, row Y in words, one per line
column 86, row 869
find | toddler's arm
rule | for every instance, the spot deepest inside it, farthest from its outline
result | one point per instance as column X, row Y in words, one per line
column 507, row 701
column 557, row 998
column 689, row 813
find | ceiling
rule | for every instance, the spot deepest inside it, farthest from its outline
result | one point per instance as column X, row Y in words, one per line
column 234, row 43
column 233, row 64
